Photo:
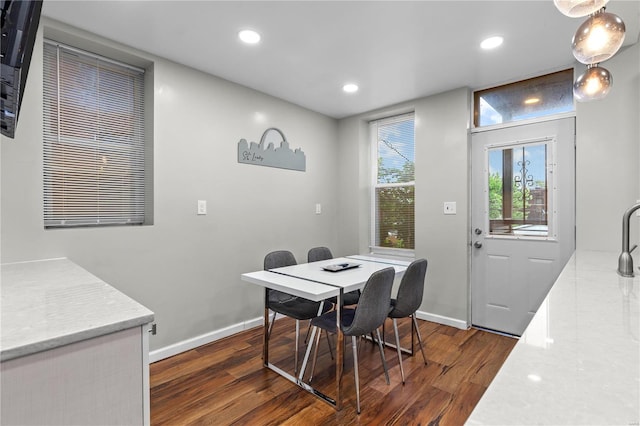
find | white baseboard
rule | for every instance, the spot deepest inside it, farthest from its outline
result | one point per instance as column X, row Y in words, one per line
column 212, row 336
column 203, row 339
column 453, row 322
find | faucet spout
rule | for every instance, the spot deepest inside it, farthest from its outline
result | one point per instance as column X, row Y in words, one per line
column 625, row 261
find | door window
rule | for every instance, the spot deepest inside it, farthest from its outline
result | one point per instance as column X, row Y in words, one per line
column 518, row 181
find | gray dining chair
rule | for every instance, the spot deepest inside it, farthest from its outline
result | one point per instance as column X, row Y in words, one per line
column 367, row 317
column 324, row 253
column 292, row 306
column 407, row 302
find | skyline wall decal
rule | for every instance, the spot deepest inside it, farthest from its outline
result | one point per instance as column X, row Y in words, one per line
column 281, row 157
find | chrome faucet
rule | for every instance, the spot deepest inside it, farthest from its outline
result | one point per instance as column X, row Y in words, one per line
column 625, row 261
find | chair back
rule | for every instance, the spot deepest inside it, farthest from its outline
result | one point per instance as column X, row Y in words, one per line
column 374, row 304
column 279, row 259
column 411, row 289
column 319, row 253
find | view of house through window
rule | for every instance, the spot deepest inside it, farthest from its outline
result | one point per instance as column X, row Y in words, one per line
column 518, row 201
column 394, row 182
column 94, row 144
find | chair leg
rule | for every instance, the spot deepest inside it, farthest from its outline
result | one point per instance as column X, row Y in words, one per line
column 384, row 361
column 329, row 344
column 307, row 352
column 295, row 357
column 315, row 354
column 306, row 338
column 354, row 346
column 395, row 330
column 415, row 323
column 273, row 320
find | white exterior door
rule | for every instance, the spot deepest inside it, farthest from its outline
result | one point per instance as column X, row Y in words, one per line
column 522, row 220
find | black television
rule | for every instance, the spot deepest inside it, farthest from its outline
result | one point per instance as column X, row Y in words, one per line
column 20, row 20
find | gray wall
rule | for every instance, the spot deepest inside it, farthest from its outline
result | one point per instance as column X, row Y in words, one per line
column 186, row 268
column 441, row 137
column 608, row 157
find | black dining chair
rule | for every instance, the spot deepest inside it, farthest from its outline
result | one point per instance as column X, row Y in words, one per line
column 323, row 253
column 292, row 306
column 407, row 302
column 367, row 317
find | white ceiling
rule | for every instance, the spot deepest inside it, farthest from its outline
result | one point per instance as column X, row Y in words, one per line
column 394, row 50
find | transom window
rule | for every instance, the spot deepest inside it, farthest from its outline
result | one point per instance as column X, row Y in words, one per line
column 393, row 224
column 537, row 97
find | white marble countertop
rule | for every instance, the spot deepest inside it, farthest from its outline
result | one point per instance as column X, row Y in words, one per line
column 50, row 303
column 578, row 362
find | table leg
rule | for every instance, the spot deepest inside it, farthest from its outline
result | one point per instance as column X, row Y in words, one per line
column 265, row 337
column 339, row 351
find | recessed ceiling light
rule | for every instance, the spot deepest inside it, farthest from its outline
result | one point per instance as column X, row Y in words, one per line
column 531, row 101
column 350, row 88
column 249, row 36
column 491, row 42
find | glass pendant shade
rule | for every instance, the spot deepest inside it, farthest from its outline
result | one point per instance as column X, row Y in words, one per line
column 593, row 84
column 598, row 38
column 579, row 8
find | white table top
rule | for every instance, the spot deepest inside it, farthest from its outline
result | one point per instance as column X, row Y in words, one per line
column 295, row 286
column 578, row 362
column 51, row 303
column 348, row 279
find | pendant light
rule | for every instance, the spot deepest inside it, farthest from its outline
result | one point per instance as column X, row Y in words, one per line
column 579, row 8
column 595, row 83
column 595, row 41
column 598, row 38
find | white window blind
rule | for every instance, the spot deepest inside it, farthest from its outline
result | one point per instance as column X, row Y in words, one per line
column 393, row 223
column 93, row 117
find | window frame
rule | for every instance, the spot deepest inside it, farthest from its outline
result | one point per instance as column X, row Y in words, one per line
column 143, row 146
column 373, row 137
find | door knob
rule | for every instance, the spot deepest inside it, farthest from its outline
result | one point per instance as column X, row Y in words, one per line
column 478, row 231
column 477, row 244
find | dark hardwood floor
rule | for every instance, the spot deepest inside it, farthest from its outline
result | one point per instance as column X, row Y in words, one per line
column 224, row 382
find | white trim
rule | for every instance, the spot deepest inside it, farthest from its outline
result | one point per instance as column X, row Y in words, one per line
column 523, row 122
column 203, row 339
column 452, row 322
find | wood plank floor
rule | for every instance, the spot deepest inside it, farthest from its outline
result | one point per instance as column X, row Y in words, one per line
column 224, row 382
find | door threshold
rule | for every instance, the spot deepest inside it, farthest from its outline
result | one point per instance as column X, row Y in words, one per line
column 501, row 333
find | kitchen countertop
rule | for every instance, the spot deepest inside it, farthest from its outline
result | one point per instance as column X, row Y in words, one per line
column 50, row 303
column 578, row 362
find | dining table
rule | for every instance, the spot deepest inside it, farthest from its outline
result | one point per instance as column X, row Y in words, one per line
column 313, row 282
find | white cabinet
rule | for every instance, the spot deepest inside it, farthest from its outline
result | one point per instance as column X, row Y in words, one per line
column 74, row 350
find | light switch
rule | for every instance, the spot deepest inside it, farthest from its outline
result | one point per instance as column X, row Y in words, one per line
column 202, row 207
column 449, row 207
column 318, row 208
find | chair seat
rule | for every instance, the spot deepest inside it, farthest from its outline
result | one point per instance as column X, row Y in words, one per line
column 297, row 307
column 350, row 298
column 394, row 313
column 328, row 321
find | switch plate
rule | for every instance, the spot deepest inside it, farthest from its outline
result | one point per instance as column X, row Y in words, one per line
column 449, row 207
column 202, row 207
column 318, row 208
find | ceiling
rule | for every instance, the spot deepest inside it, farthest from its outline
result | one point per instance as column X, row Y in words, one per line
column 394, row 50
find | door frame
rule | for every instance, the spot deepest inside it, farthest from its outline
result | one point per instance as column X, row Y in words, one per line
column 470, row 240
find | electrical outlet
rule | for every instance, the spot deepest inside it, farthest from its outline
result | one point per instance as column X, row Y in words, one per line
column 202, row 207
column 318, row 208
column 449, row 207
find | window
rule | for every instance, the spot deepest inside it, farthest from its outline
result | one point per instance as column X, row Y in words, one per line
column 518, row 185
column 533, row 98
column 94, row 142
column 393, row 182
